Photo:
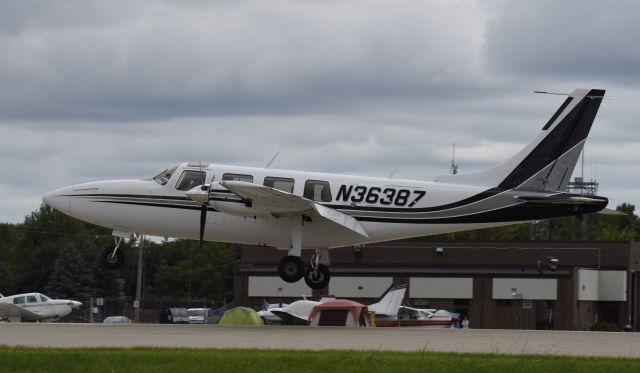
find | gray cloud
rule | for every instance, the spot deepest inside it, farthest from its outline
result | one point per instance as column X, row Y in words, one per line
column 567, row 39
column 112, row 89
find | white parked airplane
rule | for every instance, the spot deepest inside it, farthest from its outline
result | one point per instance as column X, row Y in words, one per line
column 297, row 313
column 294, row 210
column 34, row 307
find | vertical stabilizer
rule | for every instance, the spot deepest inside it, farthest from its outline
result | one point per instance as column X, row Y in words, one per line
column 545, row 164
column 389, row 302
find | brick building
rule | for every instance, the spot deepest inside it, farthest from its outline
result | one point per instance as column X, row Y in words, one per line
column 510, row 284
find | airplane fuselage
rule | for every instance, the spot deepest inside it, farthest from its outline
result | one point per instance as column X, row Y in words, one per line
column 388, row 209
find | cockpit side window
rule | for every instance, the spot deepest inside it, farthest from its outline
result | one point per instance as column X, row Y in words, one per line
column 163, row 177
column 32, row 299
column 190, row 179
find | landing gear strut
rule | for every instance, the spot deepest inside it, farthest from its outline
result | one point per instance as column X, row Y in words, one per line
column 316, row 275
column 113, row 258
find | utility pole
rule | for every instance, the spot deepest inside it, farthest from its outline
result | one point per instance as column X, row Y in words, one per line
column 136, row 303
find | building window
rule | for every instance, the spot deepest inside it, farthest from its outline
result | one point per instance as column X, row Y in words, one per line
column 316, row 190
column 280, row 183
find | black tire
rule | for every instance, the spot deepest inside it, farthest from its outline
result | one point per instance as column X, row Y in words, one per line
column 317, row 280
column 112, row 261
column 291, row 268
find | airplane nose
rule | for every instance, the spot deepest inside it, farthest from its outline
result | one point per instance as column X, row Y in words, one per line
column 58, row 199
column 61, row 199
column 75, row 304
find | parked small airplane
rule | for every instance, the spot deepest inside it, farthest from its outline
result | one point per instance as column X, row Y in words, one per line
column 293, row 210
column 420, row 318
column 34, row 307
column 297, row 313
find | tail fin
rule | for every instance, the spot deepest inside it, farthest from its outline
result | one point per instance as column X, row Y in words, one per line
column 546, row 164
column 390, row 300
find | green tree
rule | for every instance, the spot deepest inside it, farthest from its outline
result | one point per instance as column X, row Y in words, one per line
column 71, row 276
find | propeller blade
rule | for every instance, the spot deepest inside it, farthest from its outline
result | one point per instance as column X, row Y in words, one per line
column 203, row 222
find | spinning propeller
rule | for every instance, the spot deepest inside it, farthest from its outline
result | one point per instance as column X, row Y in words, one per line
column 201, row 194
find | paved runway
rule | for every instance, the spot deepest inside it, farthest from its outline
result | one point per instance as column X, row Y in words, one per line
column 288, row 337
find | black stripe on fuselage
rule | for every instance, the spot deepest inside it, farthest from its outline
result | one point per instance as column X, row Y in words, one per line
column 197, row 208
column 521, row 212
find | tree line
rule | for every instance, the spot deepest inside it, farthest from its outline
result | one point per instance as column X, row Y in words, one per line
column 53, row 253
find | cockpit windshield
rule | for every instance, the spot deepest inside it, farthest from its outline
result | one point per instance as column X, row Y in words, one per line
column 43, row 297
column 163, row 177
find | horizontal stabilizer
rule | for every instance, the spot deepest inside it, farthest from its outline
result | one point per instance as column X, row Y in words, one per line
column 563, row 199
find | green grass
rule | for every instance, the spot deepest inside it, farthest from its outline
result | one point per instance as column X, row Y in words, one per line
column 139, row 360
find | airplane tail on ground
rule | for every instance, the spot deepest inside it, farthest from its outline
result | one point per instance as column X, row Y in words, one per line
column 545, row 164
column 389, row 302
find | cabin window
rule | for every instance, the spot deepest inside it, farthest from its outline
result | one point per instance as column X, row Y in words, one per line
column 317, row 190
column 190, row 179
column 163, row 177
column 280, row 183
column 18, row 300
column 238, row 177
column 32, row 299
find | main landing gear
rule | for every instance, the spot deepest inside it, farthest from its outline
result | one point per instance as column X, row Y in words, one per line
column 316, row 275
column 113, row 258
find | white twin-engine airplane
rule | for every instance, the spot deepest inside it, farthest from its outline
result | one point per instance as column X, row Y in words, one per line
column 294, row 210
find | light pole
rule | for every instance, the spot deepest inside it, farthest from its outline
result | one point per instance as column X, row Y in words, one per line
column 136, row 303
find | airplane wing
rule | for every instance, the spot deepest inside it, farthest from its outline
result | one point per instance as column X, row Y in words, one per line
column 278, row 202
column 13, row 313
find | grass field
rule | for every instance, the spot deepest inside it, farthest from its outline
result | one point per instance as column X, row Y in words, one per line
column 138, row 360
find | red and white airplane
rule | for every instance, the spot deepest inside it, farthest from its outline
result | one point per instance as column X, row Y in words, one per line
column 296, row 210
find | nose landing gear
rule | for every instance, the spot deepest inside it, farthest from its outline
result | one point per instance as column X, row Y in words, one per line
column 113, row 258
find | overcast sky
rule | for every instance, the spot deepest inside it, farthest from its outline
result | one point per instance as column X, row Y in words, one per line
column 94, row 90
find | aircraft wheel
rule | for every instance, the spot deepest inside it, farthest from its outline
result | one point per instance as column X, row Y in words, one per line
column 291, row 268
column 317, row 279
column 111, row 260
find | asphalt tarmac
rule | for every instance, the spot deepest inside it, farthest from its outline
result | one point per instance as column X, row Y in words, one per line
column 290, row 337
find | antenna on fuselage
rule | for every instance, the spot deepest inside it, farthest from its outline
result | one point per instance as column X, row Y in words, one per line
column 454, row 165
column 268, row 165
column 393, row 172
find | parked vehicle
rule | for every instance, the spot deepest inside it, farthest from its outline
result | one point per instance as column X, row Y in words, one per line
column 174, row 315
column 200, row 315
column 116, row 320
